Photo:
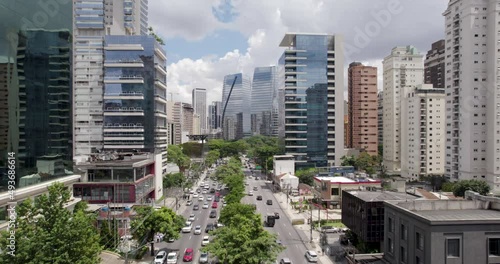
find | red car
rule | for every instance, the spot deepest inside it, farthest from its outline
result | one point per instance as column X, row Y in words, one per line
column 214, row 205
column 217, row 194
column 188, row 255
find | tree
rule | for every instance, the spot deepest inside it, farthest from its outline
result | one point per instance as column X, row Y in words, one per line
column 173, row 180
column 231, row 210
column 480, row 187
column 192, row 149
column 158, row 39
column 47, row 232
column 212, row 157
column 348, row 161
column 175, row 155
column 306, row 176
column 150, row 221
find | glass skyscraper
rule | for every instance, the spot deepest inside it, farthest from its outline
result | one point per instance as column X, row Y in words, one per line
column 264, row 103
column 311, row 78
column 239, row 103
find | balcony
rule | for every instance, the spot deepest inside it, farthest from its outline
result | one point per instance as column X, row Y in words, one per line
column 124, row 96
column 123, row 111
column 160, row 83
column 161, row 68
column 124, row 64
column 160, row 98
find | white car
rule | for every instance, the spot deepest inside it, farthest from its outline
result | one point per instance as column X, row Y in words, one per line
column 171, row 258
column 191, row 217
column 205, row 206
column 311, row 256
column 195, row 195
column 189, row 203
column 209, row 198
column 191, row 191
column 197, row 230
column 200, row 198
column 204, row 191
column 205, row 241
column 250, row 193
column 161, row 257
column 187, row 227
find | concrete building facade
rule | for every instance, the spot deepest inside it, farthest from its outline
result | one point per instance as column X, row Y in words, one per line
column 380, row 117
column 423, row 132
column 403, row 71
column 362, row 93
column 473, row 91
column 199, row 102
column 434, row 65
column 313, row 103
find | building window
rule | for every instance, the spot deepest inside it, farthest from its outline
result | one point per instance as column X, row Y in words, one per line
column 335, row 191
column 391, row 224
column 453, row 247
column 419, row 240
column 403, row 254
column 418, row 260
column 391, row 245
column 404, row 232
column 494, row 247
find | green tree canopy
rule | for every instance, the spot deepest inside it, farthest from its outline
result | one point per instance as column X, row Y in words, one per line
column 175, row 155
column 173, row 180
column 480, row 187
column 212, row 157
column 231, row 210
column 150, row 221
column 192, row 149
column 47, row 232
column 306, row 176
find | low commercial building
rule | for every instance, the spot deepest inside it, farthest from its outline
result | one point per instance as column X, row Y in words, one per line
column 330, row 188
column 443, row 231
column 287, row 181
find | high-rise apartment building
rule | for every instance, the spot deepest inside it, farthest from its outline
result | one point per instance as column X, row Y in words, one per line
column 380, row 115
column 473, row 91
column 434, row 65
column 264, row 101
column 362, row 90
column 403, row 71
column 347, row 133
column 174, row 119
column 239, row 102
column 199, row 102
column 423, row 132
column 312, row 72
column 94, row 19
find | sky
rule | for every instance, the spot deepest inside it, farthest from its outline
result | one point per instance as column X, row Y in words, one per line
column 208, row 39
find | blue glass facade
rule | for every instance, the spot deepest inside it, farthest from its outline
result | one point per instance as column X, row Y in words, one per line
column 238, row 103
column 35, row 91
column 134, row 94
column 264, row 92
column 307, row 72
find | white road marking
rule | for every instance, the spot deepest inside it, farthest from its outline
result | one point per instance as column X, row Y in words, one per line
column 190, row 237
column 290, row 233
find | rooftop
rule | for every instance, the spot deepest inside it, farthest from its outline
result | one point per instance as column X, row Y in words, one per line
column 341, row 179
column 374, row 196
column 459, row 215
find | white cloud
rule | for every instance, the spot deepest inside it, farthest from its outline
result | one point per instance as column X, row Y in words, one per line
column 381, row 25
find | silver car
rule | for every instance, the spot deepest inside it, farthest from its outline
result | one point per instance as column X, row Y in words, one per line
column 203, row 257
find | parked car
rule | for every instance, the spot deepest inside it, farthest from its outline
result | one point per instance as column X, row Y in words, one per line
column 311, row 256
column 188, row 255
column 171, row 258
column 269, row 202
column 161, row 257
column 203, row 258
column 285, row 261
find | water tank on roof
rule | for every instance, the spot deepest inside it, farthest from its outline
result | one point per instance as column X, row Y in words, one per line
column 105, row 209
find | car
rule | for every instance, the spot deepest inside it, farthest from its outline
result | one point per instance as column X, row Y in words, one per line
column 191, row 191
column 205, row 205
column 311, row 256
column 214, row 205
column 191, row 217
column 218, row 189
column 161, row 257
column 269, row 202
column 246, row 183
column 198, row 190
column 196, row 207
column 259, row 197
column 209, row 227
column 197, row 230
column 212, row 190
column 204, row 192
column 255, row 188
column 188, row 226
column 201, row 198
column 207, row 186
column 276, row 215
column 217, row 199
column 188, row 203
column 209, row 198
column 213, row 214
column 285, row 261
column 279, row 242
column 195, row 195
column 203, row 258
column 205, row 241
column 188, row 255
column 171, row 240
column 250, row 193
column 171, row 258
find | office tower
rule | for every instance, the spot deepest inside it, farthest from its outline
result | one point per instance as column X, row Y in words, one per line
column 93, row 19
column 434, row 65
column 380, row 119
column 264, row 101
column 199, row 102
column 174, row 119
column 423, row 132
column 362, row 89
column 472, row 91
column 238, row 103
column 134, row 94
column 35, row 100
column 215, row 113
column 403, row 71
column 313, row 87
column 196, row 124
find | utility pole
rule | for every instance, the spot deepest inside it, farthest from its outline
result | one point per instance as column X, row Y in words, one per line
column 311, row 221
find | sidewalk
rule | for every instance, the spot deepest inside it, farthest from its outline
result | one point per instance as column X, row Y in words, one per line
column 293, row 214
